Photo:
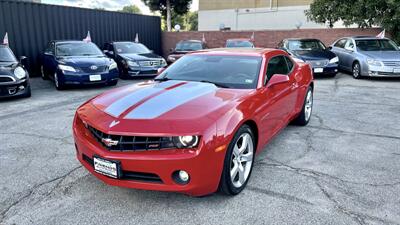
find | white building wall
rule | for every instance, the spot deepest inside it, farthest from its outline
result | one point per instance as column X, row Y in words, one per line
column 281, row 18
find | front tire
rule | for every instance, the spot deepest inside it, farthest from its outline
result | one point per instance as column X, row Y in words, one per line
column 112, row 83
column 59, row 85
column 43, row 73
column 305, row 115
column 238, row 163
column 356, row 70
column 28, row 92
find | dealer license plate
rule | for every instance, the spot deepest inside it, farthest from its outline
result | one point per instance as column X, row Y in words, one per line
column 106, row 167
column 95, row 77
column 318, row 70
column 396, row 70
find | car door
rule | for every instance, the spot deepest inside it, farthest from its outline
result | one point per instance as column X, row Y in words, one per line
column 280, row 99
column 338, row 49
column 49, row 59
column 348, row 54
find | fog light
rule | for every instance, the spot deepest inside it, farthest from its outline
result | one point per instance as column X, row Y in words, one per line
column 181, row 177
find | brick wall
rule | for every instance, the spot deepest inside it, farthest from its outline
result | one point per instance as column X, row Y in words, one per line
column 266, row 39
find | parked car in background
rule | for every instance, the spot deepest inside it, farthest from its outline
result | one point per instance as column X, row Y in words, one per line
column 198, row 126
column 184, row 47
column 368, row 56
column 239, row 43
column 314, row 52
column 14, row 78
column 77, row 63
column 134, row 59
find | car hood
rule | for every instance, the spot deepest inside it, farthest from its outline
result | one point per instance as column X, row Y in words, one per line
column 383, row 55
column 139, row 57
column 314, row 55
column 85, row 61
column 165, row 107
column 7, row 68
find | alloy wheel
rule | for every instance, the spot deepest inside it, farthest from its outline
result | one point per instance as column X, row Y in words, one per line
column 56, row 82
column 308, row 106
column 42, row 72
column 356, row 70
column 241, row 160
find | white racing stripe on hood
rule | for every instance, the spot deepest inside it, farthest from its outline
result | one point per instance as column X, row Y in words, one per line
column 123, row 104
column 169, row 100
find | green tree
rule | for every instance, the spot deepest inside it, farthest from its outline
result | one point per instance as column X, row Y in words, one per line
column 192, row 21
column 364, row 13
column 131, row 9
column 167, row 7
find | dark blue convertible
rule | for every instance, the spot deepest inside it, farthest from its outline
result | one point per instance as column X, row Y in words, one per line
column 77, row 63
column 314, row 52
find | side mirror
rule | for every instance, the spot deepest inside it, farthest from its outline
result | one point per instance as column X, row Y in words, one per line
column 330, row 47
column 160, row 70
column 277, row 79
column 23, row 60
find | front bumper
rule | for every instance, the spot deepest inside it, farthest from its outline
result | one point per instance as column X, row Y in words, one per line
column 84, row 78
column 14, row 89
column 143, row 71
column 329, row 69
column 204, row 165
column 382, row 71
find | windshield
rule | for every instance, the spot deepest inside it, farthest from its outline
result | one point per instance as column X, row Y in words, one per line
column 306, row 45
column 6, row 55
column 188, row 46
column 129, row 47
column 376, row 45
column 77, row 49
column 239, row 44
column 239, row 72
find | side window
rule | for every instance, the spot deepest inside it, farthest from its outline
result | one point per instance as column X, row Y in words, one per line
column 276, row 65
column 290, row 63
column 341, row 43
column 349, row 44
column 50, row 48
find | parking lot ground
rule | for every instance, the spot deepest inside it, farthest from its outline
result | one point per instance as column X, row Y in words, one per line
column 341, row 169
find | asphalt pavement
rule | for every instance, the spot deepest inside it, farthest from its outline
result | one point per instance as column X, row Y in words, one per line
column 343, row 168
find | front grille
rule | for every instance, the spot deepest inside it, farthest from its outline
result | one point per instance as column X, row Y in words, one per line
column 392, row 63
column 150, row 63
column 129, row 175
column 318, row 63
column 132, row 143
column 99, row 69
column 5, row 79
column 148, row 72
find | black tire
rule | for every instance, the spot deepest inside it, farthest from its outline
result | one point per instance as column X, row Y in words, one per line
column 226, row 185
column 112, row 83
column 59, row 85
column 356, row 70
column 43, row 73
column 28, row 92
column 302, row 119
column 122, row 73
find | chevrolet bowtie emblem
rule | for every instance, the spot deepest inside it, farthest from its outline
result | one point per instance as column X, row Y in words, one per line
column 109, row 142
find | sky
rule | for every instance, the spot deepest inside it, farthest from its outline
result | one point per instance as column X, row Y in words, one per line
column 109, row 4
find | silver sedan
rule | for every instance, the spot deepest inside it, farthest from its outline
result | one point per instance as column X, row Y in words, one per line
column 368, row 56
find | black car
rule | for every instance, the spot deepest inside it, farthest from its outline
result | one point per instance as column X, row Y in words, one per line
column 183, row 47
column 314, row 52
column 14, row 79
column 134, row 59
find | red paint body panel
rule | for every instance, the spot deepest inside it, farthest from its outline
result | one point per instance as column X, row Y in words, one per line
column 215, row 115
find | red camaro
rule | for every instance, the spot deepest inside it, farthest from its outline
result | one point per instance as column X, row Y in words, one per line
column 197, row 127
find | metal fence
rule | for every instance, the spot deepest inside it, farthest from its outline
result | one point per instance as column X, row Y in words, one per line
column 31, row 26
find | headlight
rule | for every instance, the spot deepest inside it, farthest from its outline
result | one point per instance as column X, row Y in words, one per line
column 132, row 63
column 334, row 60
column 113, row 65
column 186, row 141
column 66, row 68
column 19, row 72
column 373, row 62
column 163, row 62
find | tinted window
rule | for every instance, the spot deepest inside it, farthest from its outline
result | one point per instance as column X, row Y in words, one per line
column 240, row 72
column 277, row 65
column 305, row 45
column 188, row 46
column 50, row 48
column 341, row 43
column 78, row 49
column 239, row 44
column 130, row 47
column 6, row 55
column 376, row 45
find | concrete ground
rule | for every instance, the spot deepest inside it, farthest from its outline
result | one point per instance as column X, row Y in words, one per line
column 344, row 168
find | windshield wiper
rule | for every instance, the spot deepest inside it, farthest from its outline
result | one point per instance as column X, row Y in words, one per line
column 216, row 84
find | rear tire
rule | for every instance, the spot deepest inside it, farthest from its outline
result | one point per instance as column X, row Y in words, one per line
column 305, row 115
column 112, row 83
column 238, row 163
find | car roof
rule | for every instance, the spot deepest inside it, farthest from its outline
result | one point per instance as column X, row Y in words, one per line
column 367, row 38
column 239, row 39
column 302, row 39
column 67, row 41
column 236, row 51
column 112, row 42
column 192, row 40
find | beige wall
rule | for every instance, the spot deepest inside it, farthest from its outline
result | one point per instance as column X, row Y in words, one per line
column 240, row 4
